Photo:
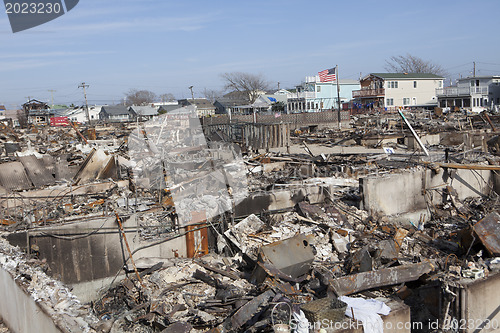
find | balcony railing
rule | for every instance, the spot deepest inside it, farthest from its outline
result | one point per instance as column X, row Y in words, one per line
column 368, row 92
column 461, row 91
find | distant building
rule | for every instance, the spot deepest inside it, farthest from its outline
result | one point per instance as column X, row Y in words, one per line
column 79, row 115
column 37, row 112
column 116, row 113
column 144, row 112
column 13, row 115
column 314, row 96
column 203, row 106
column 473, row 93
column 2, row 112
column 395, row 90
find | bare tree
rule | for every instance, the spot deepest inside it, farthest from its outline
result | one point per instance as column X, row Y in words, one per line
column 139, row 97
column 251, row 85
column 168, row 97
column 412, row 64
column 211, row 94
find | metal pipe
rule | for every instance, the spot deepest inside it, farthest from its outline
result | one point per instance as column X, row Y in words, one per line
column 414, row 133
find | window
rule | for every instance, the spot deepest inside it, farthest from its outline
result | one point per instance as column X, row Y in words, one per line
column 406, row 101
column 390, row 101
column 414, row 84
column 440, row 84
column 318, row 88
column 392, row 84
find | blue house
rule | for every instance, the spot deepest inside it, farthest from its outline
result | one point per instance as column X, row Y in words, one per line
column 314, row 96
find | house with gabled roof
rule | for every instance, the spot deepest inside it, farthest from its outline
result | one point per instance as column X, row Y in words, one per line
column 116, row 113
column 203, row 106
column 37, row 112
column 397, row 90
column 144, row 112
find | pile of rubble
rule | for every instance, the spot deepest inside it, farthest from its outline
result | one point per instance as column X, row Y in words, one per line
column 298, row 250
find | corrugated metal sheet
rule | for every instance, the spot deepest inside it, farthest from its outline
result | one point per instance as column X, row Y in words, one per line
column 37, row 171
column 13, row 176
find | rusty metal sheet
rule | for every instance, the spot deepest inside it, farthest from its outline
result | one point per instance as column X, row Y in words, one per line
column 488, row 231
column 14, row 177
column 354, row 283
column 36, row 170
column 247, row 311
column 291, row 256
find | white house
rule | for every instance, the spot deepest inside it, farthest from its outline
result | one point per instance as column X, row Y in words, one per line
column 79, row 115
column 395, row 90
column 472, row 93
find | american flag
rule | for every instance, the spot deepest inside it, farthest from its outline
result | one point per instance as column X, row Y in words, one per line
column 327, row 75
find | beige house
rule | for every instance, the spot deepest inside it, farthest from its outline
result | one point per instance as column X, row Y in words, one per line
column 395, row 90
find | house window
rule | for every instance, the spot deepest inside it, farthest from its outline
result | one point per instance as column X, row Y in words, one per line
column 440, row 84
column 390, row 101
column 392, row 84
column 406, row 101
column 318, row 88
column 414, row 84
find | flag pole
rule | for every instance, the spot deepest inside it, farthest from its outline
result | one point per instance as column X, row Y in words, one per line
column 338, row 93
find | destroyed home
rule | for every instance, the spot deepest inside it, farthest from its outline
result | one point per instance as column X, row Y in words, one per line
column 37, row 112
column 303, row 221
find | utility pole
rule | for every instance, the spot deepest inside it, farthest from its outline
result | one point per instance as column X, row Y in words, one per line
column 278, row 85
column 474, row 69
column 338, row 92
column 192, row 95
column 52, row 96
column 84, row 86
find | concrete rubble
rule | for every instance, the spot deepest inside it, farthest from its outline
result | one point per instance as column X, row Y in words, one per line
column 362, row 211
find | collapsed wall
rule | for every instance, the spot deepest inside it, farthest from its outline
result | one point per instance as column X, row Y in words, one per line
column 407, row 195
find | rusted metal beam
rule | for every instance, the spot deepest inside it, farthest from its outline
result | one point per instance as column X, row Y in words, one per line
column 354, row 283
column 247, row 311
column 128, row 247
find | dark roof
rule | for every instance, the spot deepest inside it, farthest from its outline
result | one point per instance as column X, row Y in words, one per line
column 230, row 102
column 201, row 103
column 115, row 109
column 169, row 107
column 408, row 76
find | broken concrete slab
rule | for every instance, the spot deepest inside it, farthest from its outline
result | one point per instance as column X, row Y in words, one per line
column 351, row 284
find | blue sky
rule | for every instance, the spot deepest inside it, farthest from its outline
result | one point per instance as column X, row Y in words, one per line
column 166, row 46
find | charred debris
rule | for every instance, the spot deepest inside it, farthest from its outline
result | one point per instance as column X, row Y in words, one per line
column 359, row 211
